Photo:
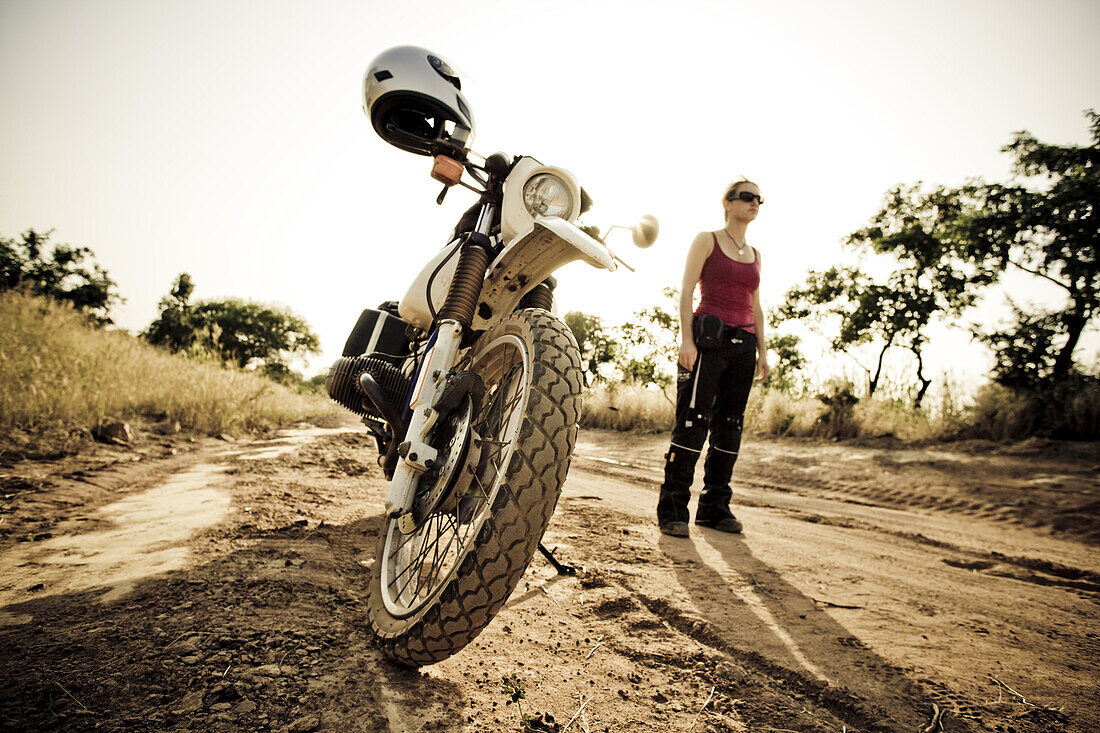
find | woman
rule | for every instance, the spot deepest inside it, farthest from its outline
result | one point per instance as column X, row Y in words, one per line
column 722, row 346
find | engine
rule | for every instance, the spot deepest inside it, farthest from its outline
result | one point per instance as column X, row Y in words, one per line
column 342, row 384
column 377, row 346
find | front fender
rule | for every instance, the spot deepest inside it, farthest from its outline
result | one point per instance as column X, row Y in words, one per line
column 530, row 258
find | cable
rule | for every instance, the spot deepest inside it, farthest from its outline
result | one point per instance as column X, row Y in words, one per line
column 431, row 279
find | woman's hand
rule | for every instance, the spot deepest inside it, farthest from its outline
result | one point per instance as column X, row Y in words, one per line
column 688, row 355
column 762, row 368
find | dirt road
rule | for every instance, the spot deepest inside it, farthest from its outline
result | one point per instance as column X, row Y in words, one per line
column 219, row 586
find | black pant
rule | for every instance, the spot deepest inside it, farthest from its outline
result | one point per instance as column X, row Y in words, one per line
column 710, row 398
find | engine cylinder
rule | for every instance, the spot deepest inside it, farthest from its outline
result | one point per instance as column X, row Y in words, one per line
column 342, row 384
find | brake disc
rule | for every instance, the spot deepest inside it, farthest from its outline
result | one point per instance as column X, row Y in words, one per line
column 440, row 489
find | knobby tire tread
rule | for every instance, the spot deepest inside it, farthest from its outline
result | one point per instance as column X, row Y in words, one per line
column 521, row 510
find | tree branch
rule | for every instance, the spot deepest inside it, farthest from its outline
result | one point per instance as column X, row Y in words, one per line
column 1042, row 275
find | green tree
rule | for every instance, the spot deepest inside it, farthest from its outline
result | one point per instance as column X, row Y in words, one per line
column 957, row 241
column 860, row 311
column 920, row 230
column 789, row 361
column 933, row 274
column 246, row 332
column 650, row 343
column 63, row 272
column 176, row 327
column 1051, row 231
column 598, row 345
column 1025, row 354
column 242, row 332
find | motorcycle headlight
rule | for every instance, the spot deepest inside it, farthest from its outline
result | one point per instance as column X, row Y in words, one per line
column 547, row 195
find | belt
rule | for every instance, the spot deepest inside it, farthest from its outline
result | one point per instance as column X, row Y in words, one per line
column 736, row 334
column 709, row 329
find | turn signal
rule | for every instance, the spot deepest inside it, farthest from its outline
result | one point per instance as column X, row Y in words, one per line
column 447, row 170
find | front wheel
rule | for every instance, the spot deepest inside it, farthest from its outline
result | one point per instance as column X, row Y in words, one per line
column 434, row 590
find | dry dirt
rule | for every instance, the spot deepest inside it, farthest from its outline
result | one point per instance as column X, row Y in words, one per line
column 218, row 585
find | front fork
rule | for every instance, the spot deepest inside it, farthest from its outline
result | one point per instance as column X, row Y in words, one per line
column 416, row 455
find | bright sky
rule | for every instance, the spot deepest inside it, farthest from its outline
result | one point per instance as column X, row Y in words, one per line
column 226, row 138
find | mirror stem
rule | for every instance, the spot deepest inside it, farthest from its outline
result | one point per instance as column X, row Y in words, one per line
column 616, row 258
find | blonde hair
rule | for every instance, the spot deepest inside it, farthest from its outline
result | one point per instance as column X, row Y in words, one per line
column 732, row 189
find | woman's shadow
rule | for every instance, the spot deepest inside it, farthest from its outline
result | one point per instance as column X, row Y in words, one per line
column 753, row 614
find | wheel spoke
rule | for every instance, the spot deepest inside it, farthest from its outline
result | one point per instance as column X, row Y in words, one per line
column 419, row 564
column 406, row 539
column 424, row 569
column 483, row 499
column 438, row 565
column 415, row 565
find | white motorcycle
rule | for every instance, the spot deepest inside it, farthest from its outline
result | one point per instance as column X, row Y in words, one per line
column 470, row 384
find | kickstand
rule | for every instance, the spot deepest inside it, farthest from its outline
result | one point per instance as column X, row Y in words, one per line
column 561, row 567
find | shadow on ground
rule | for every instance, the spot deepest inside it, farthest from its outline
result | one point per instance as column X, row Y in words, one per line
column 266, row 637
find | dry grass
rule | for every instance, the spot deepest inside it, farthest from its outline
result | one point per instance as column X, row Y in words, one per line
column 631, row 407
column 1068, row 411
column 628, row 407
column 59, row 378
column 879, row 418
column 777, row 413
column 57, row 374
column 992, row 413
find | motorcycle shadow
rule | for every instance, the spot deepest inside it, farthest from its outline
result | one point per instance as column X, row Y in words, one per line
column 266, row 629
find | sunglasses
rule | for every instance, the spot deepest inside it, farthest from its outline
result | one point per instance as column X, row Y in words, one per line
column 745, row 196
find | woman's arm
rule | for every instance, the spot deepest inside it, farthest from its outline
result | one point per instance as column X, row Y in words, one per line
column 762, row 367
column 693, row 269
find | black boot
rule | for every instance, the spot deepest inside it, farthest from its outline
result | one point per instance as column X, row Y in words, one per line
column 672, row 506
column 714, row 503
column 718, row 517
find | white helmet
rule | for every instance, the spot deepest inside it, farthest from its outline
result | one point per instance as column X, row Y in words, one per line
column 414, row 100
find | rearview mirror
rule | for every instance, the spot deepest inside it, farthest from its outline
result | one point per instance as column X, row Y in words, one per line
column 645, row 231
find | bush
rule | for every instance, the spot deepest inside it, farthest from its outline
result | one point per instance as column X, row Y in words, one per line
column 998, row 413
column 1068, row 411
column 1076, row 413
column 646, row 409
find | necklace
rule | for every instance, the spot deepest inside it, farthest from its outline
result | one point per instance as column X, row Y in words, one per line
column 740, row 245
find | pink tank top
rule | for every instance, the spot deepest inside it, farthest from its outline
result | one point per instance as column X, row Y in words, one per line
column 727, row 287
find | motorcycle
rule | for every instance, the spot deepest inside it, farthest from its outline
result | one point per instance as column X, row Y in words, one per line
column 470, row 384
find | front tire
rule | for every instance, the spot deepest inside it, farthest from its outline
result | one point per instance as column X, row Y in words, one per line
column 433, row 591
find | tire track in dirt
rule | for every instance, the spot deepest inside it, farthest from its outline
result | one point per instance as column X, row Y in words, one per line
column 1078, row 520
column 1035, row 484
column 140, row 535
column 1073, row 521
column 1042, row 571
